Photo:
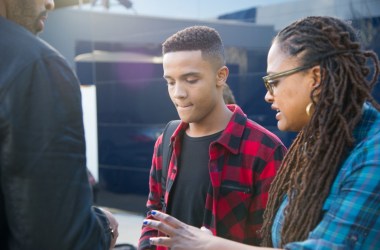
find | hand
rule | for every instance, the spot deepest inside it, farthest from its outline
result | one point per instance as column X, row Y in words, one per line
column 181, row 235
column 114, row 227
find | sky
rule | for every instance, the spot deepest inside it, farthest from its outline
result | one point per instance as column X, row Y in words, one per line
column 194, row 9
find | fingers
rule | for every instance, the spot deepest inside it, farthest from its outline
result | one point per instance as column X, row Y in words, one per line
column 165, row 224
column 167, row 219
column 114, row 227
column 206, row 230
column 160, row 226
column 161, row 241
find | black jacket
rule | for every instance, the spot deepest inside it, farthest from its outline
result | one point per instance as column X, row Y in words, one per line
column 45, row 197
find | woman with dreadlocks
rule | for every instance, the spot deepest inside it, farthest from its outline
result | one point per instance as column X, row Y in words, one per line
column 327, row 192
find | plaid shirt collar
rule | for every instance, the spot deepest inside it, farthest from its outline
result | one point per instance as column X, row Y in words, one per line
column 232, row 134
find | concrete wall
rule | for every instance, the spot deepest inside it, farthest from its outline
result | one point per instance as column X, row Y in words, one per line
column 68, row 25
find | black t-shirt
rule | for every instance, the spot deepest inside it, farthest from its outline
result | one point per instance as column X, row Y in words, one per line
column 188, row 195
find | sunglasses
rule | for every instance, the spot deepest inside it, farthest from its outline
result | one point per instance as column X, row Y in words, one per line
column 269, row 79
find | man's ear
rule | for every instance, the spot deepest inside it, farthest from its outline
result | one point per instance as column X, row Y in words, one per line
column 222, row 75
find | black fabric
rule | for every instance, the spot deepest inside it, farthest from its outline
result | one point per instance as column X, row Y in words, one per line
column 193, row 180
column 167, row 149
column 45, row 200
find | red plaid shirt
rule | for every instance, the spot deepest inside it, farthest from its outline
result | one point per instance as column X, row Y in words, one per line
column 243, row 163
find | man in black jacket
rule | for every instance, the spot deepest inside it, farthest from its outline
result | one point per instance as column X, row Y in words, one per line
column 45, row 197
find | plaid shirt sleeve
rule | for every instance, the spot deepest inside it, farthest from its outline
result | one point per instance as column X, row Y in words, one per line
column 155, row 194
column 352, row 210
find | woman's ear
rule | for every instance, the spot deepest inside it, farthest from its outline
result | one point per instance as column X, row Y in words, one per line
column 317, row 76
column 222, row 75
column 316, row 81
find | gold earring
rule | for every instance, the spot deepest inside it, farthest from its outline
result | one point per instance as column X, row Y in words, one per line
column 308, row 109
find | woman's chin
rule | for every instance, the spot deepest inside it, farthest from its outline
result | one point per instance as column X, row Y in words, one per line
column 281, row 126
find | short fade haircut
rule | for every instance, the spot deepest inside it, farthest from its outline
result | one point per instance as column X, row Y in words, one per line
column 202, row 38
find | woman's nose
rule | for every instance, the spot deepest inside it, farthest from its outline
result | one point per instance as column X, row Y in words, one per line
column 268, row 97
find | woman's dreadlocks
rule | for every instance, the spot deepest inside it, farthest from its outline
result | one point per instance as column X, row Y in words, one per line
column 310, row 166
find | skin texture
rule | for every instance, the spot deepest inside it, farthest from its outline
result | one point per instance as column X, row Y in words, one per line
column 291, row 93
column 114, row 225
column 30, row 14
column 185, row 237
column 195, row 86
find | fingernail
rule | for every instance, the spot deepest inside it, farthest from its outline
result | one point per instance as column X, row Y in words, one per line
column 154, row 212
column 145, row 222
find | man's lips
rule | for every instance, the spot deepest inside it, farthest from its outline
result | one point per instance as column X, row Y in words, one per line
column 184, row 107
column 43, row 16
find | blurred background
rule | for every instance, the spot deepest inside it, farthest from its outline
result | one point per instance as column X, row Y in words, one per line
column 115, row 48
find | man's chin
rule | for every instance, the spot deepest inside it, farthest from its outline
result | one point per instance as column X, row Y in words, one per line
column 38, row 33
column 37, row 30
column 185, row 119
column 34, row 30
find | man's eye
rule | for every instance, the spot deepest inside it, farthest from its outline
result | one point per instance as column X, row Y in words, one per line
column 192, row 80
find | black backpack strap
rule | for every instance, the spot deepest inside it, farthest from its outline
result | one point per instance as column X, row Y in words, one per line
column 167, row 149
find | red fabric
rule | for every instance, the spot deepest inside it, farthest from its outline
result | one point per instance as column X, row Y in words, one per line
column 243, row 163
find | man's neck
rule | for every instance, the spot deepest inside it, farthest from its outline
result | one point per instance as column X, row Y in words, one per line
column 212, row 125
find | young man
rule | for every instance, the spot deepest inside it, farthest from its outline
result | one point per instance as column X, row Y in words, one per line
column 45, row 200
column 222, row 163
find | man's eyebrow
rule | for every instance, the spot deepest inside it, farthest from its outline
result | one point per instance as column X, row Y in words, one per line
column 190, row 74
column 184, row 75
column 166, row 77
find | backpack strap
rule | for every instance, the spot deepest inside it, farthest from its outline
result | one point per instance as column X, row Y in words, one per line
column 167, row 149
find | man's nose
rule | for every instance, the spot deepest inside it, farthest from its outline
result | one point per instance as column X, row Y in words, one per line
column 179, row 91
column 49, row 4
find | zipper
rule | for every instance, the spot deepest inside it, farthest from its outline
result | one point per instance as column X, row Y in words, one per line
column 245, row 190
